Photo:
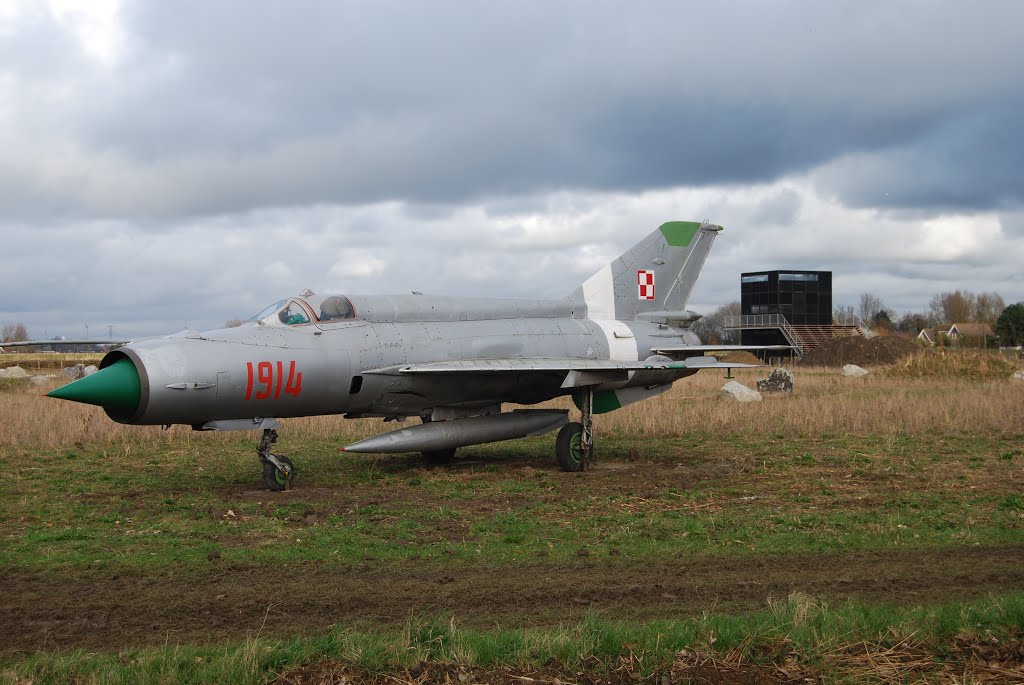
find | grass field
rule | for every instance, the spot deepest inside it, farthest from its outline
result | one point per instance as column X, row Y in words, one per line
column 859, row 529
column 48, row 362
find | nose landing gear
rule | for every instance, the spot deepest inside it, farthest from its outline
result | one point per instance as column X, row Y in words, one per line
column 278, row 471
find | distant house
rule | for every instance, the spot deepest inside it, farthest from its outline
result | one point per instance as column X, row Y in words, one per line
column 958, row 334
column 970, row 333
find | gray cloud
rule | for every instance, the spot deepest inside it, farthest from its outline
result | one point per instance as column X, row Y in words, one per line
column 969, row 160
column 229, row 153
column 154, row 279
column 781, row 209
column 225, row 107
column 1012, row 223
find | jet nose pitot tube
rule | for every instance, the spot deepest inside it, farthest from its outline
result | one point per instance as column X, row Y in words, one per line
column 116, row 387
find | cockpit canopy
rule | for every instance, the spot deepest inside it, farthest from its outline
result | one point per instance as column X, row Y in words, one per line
column 336, row 308
column 296, row 311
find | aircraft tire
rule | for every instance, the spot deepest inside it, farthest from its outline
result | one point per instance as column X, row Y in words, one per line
column 273, row 478
column 567, row 447
column 439, row 457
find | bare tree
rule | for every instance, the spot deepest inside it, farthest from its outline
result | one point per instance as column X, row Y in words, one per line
column 870, row 307
column 13, row 332
column 955, row 307
column 988, row 307
column 844, row 314
column 911, row 323
column 233, row 323
column 711, row 327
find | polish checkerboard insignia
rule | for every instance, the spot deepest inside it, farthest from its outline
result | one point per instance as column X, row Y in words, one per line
column 645, row 281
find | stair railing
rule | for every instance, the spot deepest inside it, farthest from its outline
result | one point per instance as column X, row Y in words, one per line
column 768, row 321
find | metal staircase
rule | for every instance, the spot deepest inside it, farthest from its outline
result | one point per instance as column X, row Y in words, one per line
column 815, row 335
column 754, row 321
column 803, row 338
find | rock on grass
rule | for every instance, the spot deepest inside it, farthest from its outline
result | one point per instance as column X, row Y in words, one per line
column 739, row 392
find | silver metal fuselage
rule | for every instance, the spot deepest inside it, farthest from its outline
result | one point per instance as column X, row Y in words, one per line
column 259, row 370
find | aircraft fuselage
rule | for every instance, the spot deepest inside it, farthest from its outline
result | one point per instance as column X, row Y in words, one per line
column 259, row 370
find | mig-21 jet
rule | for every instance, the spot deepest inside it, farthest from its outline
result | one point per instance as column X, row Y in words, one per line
column 453, row 362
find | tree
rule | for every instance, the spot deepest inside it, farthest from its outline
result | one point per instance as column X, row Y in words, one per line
column 870, row 306
column 711, row 327
column 233, row 323
column 844, row 314
column 911, row 323
column 13, row 332
column 882, row 320
column 955, row 307
column 1010, row 325
column 988, row 307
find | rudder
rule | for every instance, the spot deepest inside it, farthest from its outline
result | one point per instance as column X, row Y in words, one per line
column 655, row 275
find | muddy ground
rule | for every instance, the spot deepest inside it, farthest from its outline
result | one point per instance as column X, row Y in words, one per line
column 95, row 611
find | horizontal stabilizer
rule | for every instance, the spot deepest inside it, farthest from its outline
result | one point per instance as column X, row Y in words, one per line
column 676, row 317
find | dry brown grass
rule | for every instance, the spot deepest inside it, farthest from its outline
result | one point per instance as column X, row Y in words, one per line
column 975, row 365
column 29, row 419
column 823, row 403
column 48, row 361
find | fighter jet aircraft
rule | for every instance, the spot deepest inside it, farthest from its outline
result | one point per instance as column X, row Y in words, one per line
column 619, row 338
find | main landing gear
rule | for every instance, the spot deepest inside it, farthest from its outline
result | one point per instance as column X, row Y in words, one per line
column 437, row 457
column 278, row 471
column 574, row 446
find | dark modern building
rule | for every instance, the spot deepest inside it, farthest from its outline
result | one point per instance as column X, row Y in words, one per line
column 804, row 298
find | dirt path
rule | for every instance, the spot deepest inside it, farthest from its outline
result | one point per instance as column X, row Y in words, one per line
column 53, row 612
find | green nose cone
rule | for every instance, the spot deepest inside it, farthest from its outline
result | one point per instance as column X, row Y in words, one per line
column 116, row 387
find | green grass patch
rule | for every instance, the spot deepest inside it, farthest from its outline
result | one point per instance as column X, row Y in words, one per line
column 800, row 630
column 154, row 505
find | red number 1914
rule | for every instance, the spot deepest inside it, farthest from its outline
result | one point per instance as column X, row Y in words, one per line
column 268, row 383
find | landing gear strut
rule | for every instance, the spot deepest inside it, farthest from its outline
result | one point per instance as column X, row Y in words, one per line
column 574, row 445
column 278, row 472
column 437, row 457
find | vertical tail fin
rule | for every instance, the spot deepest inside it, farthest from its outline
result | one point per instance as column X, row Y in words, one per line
column 655, row 275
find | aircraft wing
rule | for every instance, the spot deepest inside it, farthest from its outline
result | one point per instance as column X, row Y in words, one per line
column 578, row 372
column 546, row 365
column 62, row 343
column 718, row 348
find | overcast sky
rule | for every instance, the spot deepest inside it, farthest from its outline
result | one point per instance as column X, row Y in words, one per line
column 173, row 164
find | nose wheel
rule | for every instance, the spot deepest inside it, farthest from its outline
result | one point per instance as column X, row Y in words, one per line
column 279, row 476
column 278, row 471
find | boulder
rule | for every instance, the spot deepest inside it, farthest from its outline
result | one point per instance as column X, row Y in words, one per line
column 1019, row 376
column 13, row 372
column 73, row 372
column 89, row 370
column 39, row 380
column 853, row 371
column 739, row 392
column 780, row 380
